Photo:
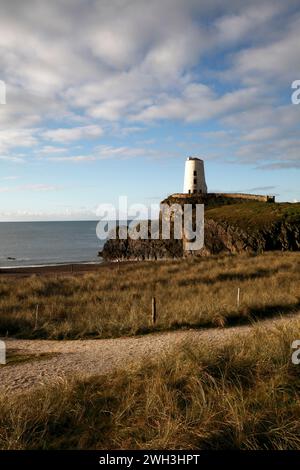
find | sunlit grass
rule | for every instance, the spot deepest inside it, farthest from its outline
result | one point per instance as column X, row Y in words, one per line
column 116, row 302
column 242, row 394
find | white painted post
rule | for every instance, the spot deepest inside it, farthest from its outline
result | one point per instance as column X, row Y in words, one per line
column 2, row 352
column 238, row 298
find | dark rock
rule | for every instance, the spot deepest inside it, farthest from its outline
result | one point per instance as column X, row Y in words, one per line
column 235, row 228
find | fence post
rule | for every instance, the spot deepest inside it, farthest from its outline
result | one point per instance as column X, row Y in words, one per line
column 238, row 298
column 36, row 316
column 153, row 311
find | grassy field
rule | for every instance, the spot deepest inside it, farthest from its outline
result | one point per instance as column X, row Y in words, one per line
column 116, row 302
column 241, row 395
column 254, row 215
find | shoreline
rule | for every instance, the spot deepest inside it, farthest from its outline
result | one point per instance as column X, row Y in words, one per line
column 63, row 268
column 43, row 265
column 66, row 268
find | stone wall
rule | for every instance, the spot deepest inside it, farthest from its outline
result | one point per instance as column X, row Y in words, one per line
column 211, row 198
column 248, row 197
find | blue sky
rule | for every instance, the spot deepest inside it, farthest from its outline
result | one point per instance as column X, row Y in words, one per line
column 109, row 98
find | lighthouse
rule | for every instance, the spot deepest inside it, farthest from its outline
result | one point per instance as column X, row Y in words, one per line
column 194, row 177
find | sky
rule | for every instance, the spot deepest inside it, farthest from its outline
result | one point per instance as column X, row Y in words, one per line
column 107, row 98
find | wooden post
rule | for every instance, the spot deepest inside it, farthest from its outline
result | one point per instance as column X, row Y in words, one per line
column 36, row 316
column 153, row 311
column 238, row 298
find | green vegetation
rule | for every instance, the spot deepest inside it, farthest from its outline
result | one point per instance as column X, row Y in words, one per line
column 116, row 300
column 241, row 395
column 252, row 215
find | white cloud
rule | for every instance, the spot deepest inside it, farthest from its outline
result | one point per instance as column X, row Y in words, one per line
column 30, row 187
column 251, row 21
column 277, row 60
column 199, row 102
column 53, row 215
column 264, row 133
column 10, row 178
column 72, row 134
column 110, row 110
column 76, row 72
column 50, row 149
column 16, row 138
column 73, row 158
column 11, row 159
column 107, row 151
column 104, row 152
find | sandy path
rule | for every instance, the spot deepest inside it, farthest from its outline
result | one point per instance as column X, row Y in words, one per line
column 88, row 357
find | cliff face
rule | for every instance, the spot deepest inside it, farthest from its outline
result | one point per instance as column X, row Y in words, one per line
column 223, row 237
column 142, row 249
column 255, row 226
column 234, row 228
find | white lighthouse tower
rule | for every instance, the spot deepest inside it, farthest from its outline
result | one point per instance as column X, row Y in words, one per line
column 194, row 177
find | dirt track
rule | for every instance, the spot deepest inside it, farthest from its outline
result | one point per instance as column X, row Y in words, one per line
column 89, row 357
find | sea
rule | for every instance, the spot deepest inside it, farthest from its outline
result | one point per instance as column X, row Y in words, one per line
column 48, row 243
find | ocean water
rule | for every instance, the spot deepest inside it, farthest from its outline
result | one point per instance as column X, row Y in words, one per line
column 46, row 243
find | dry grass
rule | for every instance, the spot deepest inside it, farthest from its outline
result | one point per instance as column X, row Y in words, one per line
column 116, row 302
column 15, row 357
column 242, row 395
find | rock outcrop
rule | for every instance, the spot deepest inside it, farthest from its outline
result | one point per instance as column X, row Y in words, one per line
column 234, row 228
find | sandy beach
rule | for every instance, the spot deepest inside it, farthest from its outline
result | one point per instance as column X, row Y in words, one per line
column 75, row 268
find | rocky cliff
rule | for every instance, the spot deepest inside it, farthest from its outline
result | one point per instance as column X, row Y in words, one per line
column 229, row 228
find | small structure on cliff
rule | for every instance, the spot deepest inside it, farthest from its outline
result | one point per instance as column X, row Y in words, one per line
column 195, row 188
column 194, row 177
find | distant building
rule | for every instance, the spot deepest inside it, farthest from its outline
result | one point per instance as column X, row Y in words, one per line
column 194, row 177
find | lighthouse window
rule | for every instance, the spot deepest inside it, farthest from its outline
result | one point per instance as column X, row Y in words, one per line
column 195, row 180
column 195, row 173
